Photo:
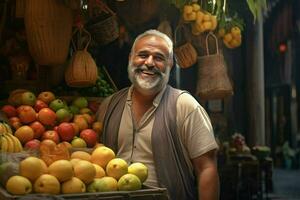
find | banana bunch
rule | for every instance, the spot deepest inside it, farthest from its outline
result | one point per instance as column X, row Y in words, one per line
column 8, row 142
column 232, row 38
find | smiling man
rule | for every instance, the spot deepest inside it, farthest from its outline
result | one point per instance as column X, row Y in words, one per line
column 160, row 126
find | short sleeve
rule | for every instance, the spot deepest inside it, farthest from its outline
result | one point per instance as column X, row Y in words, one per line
column 194, row 126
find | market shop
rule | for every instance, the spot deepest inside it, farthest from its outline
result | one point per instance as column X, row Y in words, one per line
column 60, row 59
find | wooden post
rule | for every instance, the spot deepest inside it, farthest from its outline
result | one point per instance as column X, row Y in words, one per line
column 255, row 84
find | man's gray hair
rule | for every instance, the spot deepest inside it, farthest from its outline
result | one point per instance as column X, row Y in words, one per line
column 157, row 33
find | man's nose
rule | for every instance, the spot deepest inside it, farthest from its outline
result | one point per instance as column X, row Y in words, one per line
column 149, row 61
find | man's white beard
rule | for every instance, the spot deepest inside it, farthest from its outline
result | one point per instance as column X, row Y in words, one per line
column 148, row 85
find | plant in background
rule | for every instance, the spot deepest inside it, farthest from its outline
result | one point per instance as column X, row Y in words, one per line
column 257, row 7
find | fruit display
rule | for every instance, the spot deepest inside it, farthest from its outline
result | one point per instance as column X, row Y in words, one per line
column 35, row 118
column 63, row 153
column 213, row 17
column 81, row 173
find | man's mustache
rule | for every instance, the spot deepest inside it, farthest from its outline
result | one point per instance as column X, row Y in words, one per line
column 144, row 68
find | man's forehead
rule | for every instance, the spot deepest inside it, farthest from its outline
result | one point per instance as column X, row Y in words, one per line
column 152, row 41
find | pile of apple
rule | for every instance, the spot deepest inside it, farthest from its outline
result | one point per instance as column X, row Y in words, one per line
column 98, row 171
column 35, row 118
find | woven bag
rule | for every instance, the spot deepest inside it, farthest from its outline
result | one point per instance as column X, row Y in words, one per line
column 82, row 70
column 213, row 81
column 48, row 26
column 186, row 54
column 135, row 13
column 103, row 27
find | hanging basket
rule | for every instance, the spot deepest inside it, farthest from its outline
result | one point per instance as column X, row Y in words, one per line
column 213, row 81
column 135, row 13
column 186, row 54
column 48, row 25
column 103, row 26
column 82, row 70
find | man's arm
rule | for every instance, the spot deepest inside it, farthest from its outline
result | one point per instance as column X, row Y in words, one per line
column 207, row 175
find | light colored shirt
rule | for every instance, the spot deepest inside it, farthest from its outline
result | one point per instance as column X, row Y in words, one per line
column 193, row 127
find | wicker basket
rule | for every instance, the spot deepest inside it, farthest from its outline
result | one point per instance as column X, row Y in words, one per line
column 82, row 70
column 48, row 25
column 137, row 12
column 213, row 81
column 186, row 54
column 104, row 28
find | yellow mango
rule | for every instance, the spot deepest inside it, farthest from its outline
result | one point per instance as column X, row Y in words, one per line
column 199, row 17
column 207, row 25
column 187, row 9
column 196, row 7
column 228, row 37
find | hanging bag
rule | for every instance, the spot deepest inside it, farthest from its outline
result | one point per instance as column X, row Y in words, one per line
column 186, row 54
column 82, row 70
column 213, row 81
column 103, row 27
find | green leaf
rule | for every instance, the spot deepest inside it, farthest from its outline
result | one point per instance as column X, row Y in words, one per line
column 252, row 7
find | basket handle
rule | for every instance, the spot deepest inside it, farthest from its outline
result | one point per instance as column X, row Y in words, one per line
column 179, row 27
column 103, row 7
column 81, row 30
column 216, row 42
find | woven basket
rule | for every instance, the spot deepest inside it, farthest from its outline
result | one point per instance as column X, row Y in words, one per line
column 48, row 26
column 137, row 12
column 104, row 28
column 213, row 81
column 186, row 54
column 82, row 70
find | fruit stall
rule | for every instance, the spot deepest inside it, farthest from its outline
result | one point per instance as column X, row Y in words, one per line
column 59, row 59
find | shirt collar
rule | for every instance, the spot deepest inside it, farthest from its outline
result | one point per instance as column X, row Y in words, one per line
column 156, row 100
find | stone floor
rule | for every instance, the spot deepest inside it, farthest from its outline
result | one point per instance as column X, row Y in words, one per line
column 286, row 184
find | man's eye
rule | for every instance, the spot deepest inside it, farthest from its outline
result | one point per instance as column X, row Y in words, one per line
column 143, row 56
column 159, row 58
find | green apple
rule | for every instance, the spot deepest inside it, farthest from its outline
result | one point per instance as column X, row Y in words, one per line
column 138, row 169
column 78, row 142
column 75, row 110
column 63, row 115
column 28, row 98
column 56, row 104
column 129, row 182
column 104, row 184
column 18, row 185
column 80, row 102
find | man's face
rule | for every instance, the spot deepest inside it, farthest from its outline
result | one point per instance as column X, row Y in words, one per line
column 149, row 65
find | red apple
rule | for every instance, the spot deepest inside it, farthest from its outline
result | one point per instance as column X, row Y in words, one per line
column 55, row 128
column 26, row 114
column 93, row 105
column 51, row 135
column 39, row 104
column 47, row 116
column 32, row 144
column 89, row 136
column 66, row 131
column 15, row 122
column 46, row 96
column 38, row 129
column 9, row 110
